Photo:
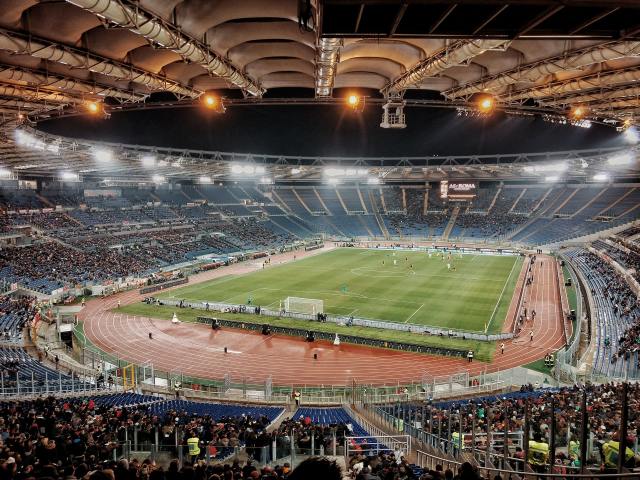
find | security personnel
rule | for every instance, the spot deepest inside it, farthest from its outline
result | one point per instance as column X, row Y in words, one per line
column 538, row 453
column 296, row 397
column 194, row 446
column 455, row 441
column 574, row 447
column 610, row 453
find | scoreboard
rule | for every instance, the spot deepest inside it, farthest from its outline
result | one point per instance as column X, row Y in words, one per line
column 461, row 191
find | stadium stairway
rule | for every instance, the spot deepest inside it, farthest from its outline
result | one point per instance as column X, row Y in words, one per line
column 376, row 213
column 333, row 416
column 451, row 224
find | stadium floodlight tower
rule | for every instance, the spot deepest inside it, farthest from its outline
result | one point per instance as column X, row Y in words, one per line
column 393, row 111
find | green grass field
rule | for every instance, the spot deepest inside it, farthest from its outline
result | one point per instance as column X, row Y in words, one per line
column 366, row 283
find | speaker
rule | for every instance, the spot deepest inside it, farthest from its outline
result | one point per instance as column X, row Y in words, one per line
column 310, row 336
column 315, row 356
column 214, row 324
column 568, row 282
column 266, row 329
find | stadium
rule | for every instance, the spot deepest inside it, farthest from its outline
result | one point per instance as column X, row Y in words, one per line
column 300, row 239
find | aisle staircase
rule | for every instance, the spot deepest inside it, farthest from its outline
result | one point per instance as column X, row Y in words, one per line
column 450, row 225
column 379, row 219
column 524, row 190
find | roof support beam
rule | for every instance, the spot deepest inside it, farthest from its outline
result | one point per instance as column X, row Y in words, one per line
column 614, row 105
column 593, row 20
column 599, row 97
column 491, row 18
column 559, row 89
column 549, row 12
column 58, row 83
column 398, row 19
column 46, row 50
column 443, row 17
column 12, row 103
column 360, row 12
column 454, row 55
column 534, row 71
column 166, row 35
column 327, row 58
column 36, row 95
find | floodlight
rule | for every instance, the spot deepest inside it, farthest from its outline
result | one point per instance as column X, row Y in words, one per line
column 620, row 160
column 551, row 178
column 546, row 167
column 486, row 104
column 148, row 160
column 69, row 176
column 4, row 172
column 578, row 112
column 205, row 179
column 213, row 102
column 631, row 135
column 600, row 177
column 103, row 155
column 158, row 179
column 355, row 102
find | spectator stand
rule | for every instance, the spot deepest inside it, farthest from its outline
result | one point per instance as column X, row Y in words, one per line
column 473, row 429
column 368, row 439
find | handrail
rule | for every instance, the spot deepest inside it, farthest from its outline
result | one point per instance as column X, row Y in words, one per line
column 426, row 460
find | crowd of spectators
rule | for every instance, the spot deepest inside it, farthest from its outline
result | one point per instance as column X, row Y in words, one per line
column 91, row 254
column 625, row 253
column 604, row 406
column 57, row 262
column 625, row 304
column 15, row 314
column 82, row 438
column 496, row 223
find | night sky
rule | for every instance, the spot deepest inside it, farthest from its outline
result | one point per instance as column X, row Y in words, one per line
column 327, row 130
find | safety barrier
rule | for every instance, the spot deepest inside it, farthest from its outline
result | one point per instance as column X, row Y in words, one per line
column 298, row 332
column 161, row 286
column 337, row 319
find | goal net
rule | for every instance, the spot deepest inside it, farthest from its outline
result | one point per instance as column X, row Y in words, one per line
column 311, row 306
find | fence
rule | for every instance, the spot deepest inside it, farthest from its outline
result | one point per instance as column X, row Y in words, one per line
column 429, row 461
column 262, row 390
column 566, row 358
column 329, row 336
column 337, row 319
column 161, row 286
column 17, row 386
column 465, row 429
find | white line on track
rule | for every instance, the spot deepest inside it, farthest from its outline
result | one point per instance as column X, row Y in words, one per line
column 502, row 293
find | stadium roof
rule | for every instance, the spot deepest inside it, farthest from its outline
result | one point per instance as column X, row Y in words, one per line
column 58, row 55
column 31, row 153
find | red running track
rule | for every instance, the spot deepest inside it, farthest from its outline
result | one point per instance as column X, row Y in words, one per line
column 198, row 351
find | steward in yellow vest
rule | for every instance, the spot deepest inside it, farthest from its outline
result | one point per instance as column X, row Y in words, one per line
column 538, row 453
column 610, row 452
column 194, row 446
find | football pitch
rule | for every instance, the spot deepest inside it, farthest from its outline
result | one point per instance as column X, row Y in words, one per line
column 401, row 286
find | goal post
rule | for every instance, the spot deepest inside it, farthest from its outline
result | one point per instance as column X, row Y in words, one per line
column 310, row 306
